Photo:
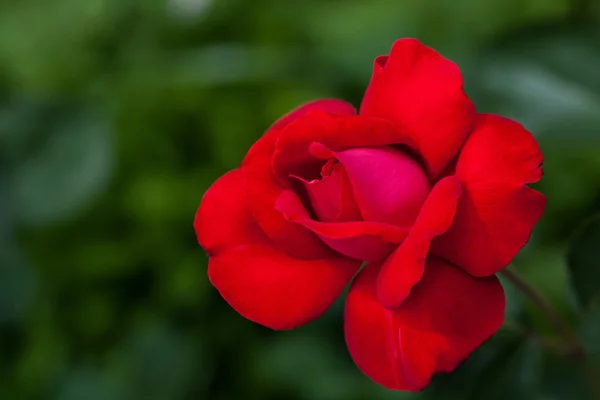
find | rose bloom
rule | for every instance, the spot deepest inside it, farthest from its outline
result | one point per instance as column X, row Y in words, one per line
column 432, row 195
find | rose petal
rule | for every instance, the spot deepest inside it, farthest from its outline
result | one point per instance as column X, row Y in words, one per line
column 262, row 283
column 271, row 288
column 362, row 240
column 332, row 198
column 297, row 154
column 422, row 94
column 390, row 186
column 221, row 202
column 446, row 317
column 263, row 189
column 405, row 267
column 498, row 211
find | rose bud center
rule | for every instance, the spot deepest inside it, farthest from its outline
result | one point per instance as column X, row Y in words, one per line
column 382, row 184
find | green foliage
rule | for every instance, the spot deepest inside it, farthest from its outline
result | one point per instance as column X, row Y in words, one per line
column 69, row 167
column 116, row 116
column 584, row 262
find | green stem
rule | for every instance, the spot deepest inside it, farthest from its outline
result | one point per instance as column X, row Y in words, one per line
column 573, row 343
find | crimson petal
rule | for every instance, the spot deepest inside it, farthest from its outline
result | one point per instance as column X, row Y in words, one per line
column 261, row 282
column 263, row 189
column 498, row 210
column 421, row 94
column 296, row 151
column 363, row 240
column 447, row 316
column 405, row 267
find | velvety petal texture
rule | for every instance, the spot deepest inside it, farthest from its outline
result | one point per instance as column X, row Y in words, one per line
column 263, row 189
column 498, row 210
column 389, row 185
column 421, row 94
column 405, row 267
column 448, row 314
column 261, row 282
column 362, row 240
column 294, row 152
column 331, row 197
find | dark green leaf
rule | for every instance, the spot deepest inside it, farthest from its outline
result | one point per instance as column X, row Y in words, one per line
column 17, row 284
column 589, row 332
column 507, row 363
column 563, row 380
column 545, row 79
column 66, row 173
column 584, row 261
column 155, row 363
column 517, row 378
column 17, row 279
column 87, row 382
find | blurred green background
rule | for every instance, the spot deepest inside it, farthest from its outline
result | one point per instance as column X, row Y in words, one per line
column 117, row 115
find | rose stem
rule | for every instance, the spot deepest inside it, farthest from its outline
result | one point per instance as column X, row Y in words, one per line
column 577, row 352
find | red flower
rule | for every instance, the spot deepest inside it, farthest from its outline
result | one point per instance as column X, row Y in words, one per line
column 432, row 194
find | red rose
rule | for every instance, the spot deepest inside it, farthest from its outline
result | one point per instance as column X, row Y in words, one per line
column 429, row 192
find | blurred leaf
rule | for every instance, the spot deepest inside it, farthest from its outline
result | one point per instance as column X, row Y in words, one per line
column 229, row 136
column 185, row 283
column 6, row 218
column 17, row 284
column 584, row 261
column 155, row 363
column 188, row 10
column 57, row 51
column 19, row 123
column 546, row 80
column 90, row 383
column 514, row 301
column 519, row 377
column 563, row 377
column 301, row 362
column 545, row 268
column 70, row 170
column 47, row 357
column 589, row 332
column 563, row 380
column 482, row 368
column 226, row 63
column 371, row 33
column 310, row 367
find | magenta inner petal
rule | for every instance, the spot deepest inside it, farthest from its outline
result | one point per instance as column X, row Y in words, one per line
column 331, row 197
column 389, row 185
column 366, row 248
column 363, row 240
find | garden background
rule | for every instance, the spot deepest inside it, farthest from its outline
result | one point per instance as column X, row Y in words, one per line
column 117, row 115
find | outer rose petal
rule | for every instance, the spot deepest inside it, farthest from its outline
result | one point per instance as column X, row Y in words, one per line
column 405, row 267
column 498, row 211
column 446, row 317
column 422, row 94
column 262, row 283
column 271, row 288
column 362, row 240
column 220, row 203
column 294, row 152
column 263, row 189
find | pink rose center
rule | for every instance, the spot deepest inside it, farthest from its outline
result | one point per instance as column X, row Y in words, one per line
column 382, row 184
column 331, row 197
